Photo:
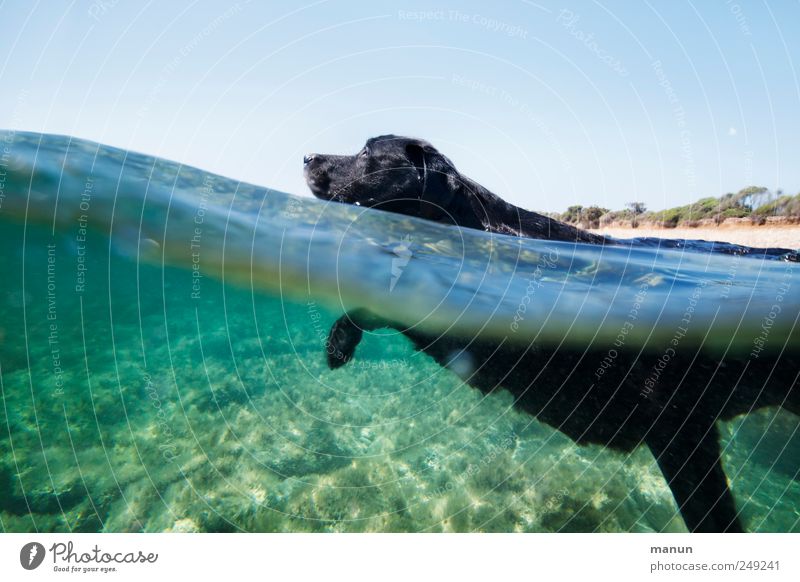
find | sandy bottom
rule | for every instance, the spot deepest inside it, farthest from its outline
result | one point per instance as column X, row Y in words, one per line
column 242, row 429
column 221, row 415
column 763, row 236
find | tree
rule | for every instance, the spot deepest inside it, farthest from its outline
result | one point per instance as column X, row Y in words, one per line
column 591, row 216
column 753, row 196
column 636, row 209
column 573, row 214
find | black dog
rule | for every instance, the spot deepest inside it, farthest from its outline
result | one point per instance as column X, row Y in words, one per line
column 677, row 420
column 410, row 177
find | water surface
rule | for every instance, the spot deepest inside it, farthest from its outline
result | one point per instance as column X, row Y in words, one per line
column 162, row 358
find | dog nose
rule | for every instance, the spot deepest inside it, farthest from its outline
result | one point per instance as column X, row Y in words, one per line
column 308, row 158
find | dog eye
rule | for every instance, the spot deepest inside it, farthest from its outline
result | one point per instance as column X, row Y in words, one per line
column 364, row 153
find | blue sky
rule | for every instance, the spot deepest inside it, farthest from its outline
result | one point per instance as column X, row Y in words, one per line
column 546, row 103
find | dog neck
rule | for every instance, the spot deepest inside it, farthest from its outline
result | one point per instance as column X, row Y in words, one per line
column 482, row 209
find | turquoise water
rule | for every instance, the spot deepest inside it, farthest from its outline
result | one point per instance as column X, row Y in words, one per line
column 162, row 361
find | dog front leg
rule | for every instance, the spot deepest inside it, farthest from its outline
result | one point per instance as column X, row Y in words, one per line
column 346, row 334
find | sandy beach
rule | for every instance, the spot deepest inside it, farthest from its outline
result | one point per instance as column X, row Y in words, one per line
column 786, row 236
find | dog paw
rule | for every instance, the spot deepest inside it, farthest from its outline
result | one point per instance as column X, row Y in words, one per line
column 342, row 341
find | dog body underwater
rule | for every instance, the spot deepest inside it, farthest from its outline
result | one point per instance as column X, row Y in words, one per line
column 677, row 420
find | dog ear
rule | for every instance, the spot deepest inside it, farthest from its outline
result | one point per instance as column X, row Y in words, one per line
column 437, row 177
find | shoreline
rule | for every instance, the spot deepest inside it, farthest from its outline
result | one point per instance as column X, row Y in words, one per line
column 769, row 235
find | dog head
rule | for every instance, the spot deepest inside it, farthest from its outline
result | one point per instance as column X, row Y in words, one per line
column 392, row 173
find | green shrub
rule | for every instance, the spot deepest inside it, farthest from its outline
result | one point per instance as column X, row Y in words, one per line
column 754, row 202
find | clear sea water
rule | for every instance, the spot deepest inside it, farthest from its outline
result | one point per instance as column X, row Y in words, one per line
column 162, row 361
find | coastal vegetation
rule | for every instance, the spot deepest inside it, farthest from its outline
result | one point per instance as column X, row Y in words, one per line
column 756, row 203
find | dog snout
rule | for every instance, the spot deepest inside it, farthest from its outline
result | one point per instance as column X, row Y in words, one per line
column 308, row 158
